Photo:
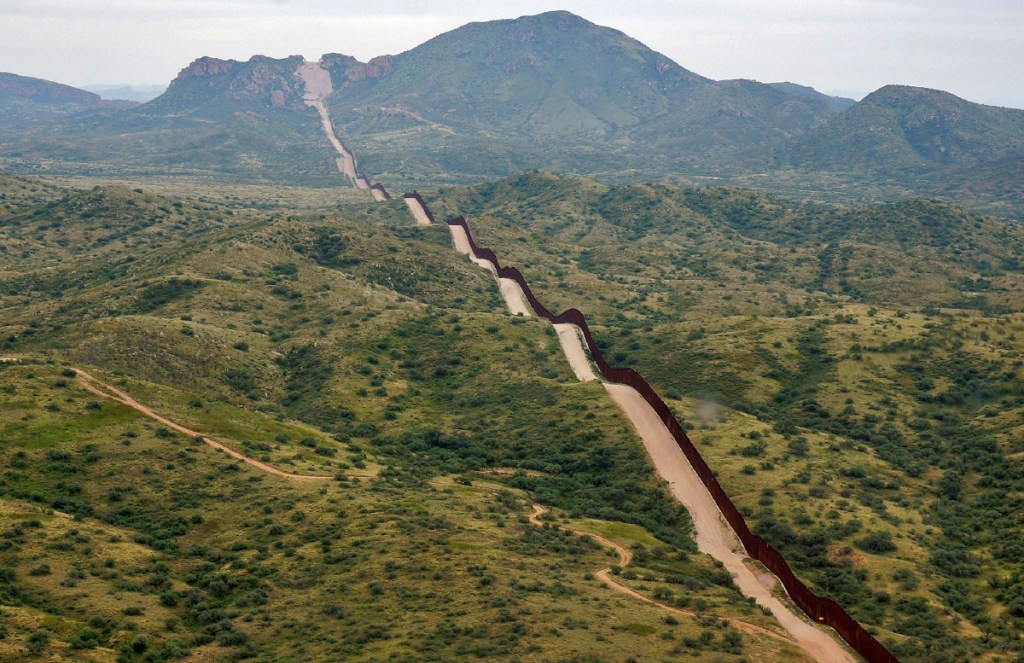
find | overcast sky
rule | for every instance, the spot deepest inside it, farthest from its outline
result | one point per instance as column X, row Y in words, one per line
column 973, row 48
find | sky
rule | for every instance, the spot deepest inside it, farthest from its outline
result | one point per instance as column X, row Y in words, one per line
column 972, row 48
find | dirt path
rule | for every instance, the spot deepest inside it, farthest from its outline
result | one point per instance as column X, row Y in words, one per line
column 418, row 212
column 625, row 558
column 111, row 392
column 714, row 536
column 316, row 79
column 572, row 347
column 511, row 292
column 318, row 87
column 514, row 297
column 461, row 242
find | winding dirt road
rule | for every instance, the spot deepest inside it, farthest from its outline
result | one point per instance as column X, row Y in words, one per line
column 111, row 392
column 511, row 291
column 625, row 557
column 418, row 213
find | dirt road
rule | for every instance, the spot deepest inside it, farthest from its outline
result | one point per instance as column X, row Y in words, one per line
column 316, row 79
column 461, row 242
column 511, row 291
column 572, row 347
column 714, row 536
column 418, row 212
column 514, row 297
column 318, row 87
column 111, row 392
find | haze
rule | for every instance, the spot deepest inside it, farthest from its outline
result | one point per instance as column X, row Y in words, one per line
column 847, row 47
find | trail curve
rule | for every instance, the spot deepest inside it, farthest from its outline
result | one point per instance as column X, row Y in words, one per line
column 111, row 392
column 625, row 558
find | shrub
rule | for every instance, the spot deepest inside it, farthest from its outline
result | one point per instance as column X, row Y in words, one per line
column 877, row 542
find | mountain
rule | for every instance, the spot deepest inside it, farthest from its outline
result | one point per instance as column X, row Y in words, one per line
column 27, row 103
column 138, row 93
column 551, row 91
column 902, row 140
column 899, row 127
column 484, row 100
column 232, row 118
column 489, row 97
column 43, row 91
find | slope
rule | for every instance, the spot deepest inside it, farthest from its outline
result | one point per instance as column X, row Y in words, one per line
column 236, row 120
column 27, row 103
column 551, row 89
column 349, row 344
column 902, row 141
column 863, row 429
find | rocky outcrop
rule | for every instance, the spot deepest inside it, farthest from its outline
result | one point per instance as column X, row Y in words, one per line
column 345, row 70
column 205, row 66
column 269, row 80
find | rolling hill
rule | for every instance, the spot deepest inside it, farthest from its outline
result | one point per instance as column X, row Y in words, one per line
column 900, row 128
column 901, row 141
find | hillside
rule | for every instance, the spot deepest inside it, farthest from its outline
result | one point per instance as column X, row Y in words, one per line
column 28, row 103
column 899, row 127
column 487, row 99
column 236, row 120
column 349, row 345
column 557, row 90
column 903, row 141
column 551, row 91
column 853, row 376
column 841, row 103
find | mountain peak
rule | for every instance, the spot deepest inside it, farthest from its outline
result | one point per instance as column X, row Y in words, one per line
column 559, row 18
column 205, row 66
column 901, row 93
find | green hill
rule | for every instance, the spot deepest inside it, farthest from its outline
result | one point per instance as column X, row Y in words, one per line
column 903, row 142
column 558, row 90
column 900, row 127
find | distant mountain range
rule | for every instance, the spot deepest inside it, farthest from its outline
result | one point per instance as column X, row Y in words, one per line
column 547, row 91
column 139, row 93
